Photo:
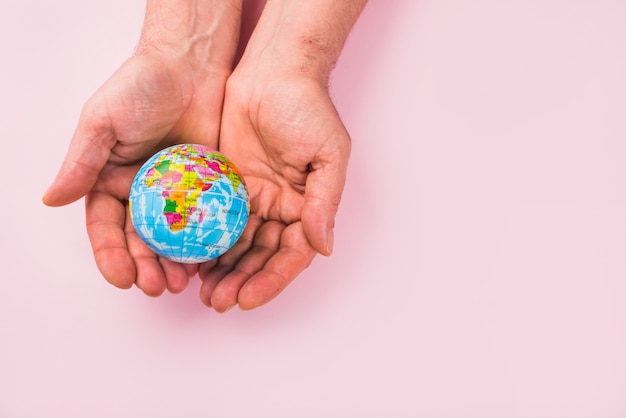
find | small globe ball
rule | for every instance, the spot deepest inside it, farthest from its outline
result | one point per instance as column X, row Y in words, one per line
column 189, row 203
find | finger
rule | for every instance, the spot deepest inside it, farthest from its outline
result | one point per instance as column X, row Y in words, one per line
column 89, row 151
column 210, row 278
column 266, row 244
column 212, row 272
column 295, row 255
column 150, row 275
column 176, row 275
column 117, row 181
column 191, row 270
column 324, row 187
column 105, row 218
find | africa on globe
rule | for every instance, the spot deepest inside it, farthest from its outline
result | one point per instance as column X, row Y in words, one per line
column 189, row 203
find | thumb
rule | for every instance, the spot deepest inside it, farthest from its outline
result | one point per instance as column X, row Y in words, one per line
column 322, row 196
column 88, row 152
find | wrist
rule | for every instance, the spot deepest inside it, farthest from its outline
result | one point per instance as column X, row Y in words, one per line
column 301, row 38
column 203, row 32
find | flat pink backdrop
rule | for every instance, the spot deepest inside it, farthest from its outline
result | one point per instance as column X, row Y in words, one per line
column 480, row 253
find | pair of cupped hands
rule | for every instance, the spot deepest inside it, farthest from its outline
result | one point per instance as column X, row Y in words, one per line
column 276, row 123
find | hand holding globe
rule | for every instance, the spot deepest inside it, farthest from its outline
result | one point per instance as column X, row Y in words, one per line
column 272, row 115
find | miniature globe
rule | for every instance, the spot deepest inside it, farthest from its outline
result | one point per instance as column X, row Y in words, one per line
column 189, row 203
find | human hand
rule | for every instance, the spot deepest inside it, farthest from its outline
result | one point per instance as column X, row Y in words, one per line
column 289, row 143
column 283, row 132
column 171, row 91
column 281, row 129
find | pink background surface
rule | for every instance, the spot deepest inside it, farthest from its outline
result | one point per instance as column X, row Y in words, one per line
column 479, row 266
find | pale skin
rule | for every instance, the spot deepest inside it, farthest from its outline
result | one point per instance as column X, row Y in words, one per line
column 271, row 115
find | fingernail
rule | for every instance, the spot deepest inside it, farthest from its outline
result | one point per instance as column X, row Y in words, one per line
column 44, row 197
column 330, row 243
column 229, row 308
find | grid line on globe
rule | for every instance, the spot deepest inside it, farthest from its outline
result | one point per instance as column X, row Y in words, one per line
column 189, row 203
